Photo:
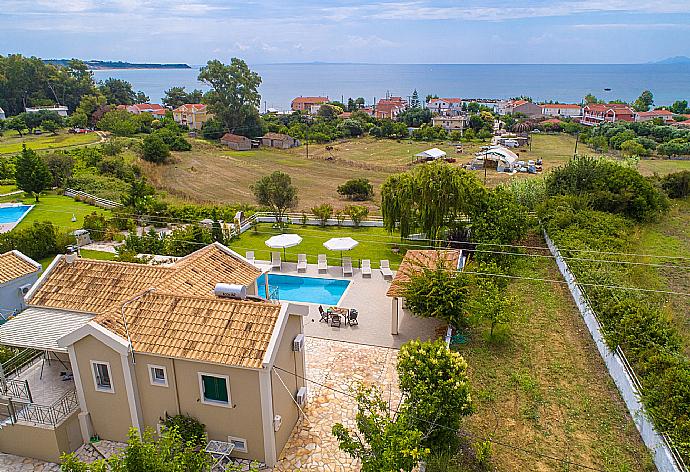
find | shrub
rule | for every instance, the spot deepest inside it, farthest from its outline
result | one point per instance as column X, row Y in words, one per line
column 110, row 188
column 191, row 429
column 677, row 185
column 323, row 213
column 153, row 149
column 38, row 241
column 609, row 186
column 357, row 189
column 358, row 213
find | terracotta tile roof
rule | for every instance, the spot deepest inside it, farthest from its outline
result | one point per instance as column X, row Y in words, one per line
column 276, row 136
column 310, row 100
column 517, row 103
column 96, row 286
column 198, row 273
column 655, row 113
column 188, row 107
column 206, row 329
column 415, row 260
column 13, row 266
column 233, row 138
column 151, row 107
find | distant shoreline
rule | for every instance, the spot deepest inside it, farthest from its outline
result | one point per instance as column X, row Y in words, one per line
column 140, row 68
column 120, row 65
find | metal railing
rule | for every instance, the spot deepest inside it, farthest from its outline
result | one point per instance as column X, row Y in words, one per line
column 17, row 364
column 50, row 415
column 16, row 390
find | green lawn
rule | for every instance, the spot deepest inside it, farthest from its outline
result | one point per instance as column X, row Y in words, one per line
column 7, row 189
column 85, row 253
column 374, row 244
column 11, row 142
column 543, row 387
column 58, row 210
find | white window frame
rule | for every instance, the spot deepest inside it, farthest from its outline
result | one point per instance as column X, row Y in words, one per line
column 214, row 402
column 95, row 380
column 245, row 449
column 153, row 380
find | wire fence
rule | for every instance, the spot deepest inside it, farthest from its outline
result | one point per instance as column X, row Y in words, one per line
column 666, row 457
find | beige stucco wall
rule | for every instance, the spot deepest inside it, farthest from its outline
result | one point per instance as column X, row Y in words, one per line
column 43, row 443
column 241, row 420
column 291, row 361
column 110, row 414
column 155, row 400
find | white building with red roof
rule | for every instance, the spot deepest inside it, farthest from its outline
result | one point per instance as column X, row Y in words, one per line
column 306, row 103
column 563, row 110
column 665, row 115
column 594, row 114
column 158, row 111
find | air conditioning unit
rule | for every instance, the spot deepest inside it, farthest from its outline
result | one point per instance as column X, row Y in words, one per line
column 298, row 343
column 301, row 397
column 24, row 289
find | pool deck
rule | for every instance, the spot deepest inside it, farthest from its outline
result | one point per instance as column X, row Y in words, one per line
column 7, row 227
column 368, row 296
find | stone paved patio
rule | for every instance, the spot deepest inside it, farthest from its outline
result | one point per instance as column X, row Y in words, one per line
column 337, row 365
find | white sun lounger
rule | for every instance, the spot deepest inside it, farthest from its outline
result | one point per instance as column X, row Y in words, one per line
column 366, row 267
column 301, row 262
column 276, row 263
column 250, row 256
column 386, row 269
column 347, row 266
column 323, row 262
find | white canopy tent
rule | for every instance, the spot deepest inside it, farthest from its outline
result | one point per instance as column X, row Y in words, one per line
column 433, row 153
column 282, row 241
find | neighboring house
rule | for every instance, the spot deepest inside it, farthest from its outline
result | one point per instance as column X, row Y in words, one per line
column 525, row 107
column 2, row 114
column 445, row 106
column 485, row 102
column 594, row 114
column 563, row 110
column 236, row 142
column 306, row 103
column 158, row 111
column 280, row 141
column 59, row 109
column 192, row 115
column 665, row 115
column 450, row 123
column 142, row 342
column 17, row 274
column 389, row 107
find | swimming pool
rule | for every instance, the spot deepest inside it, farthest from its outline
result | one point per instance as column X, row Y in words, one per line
column 13, row 213
column 319, row 290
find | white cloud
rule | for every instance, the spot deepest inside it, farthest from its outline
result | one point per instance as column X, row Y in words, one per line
column 632, row 26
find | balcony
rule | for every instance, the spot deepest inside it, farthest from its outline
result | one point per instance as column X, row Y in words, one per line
column 43, row 393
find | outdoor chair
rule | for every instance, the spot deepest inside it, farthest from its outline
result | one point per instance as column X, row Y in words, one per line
column 276, row 263
column 335, row 320
column 386, row 269
column 352, row 317
column 323, row 263
column 301, row 262
column 250, row 256
column 324, row 315
column 366, row 267
column 347, row 266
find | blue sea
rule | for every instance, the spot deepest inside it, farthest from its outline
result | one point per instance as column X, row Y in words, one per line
column 562, row 82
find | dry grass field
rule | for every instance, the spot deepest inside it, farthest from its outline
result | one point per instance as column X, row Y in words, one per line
column 212, row 173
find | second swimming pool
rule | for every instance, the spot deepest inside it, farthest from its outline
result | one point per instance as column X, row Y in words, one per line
column 324, row 291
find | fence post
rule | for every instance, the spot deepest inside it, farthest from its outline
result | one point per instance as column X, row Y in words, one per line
column 28, row 391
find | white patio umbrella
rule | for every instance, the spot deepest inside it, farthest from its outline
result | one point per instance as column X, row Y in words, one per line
column 340, row 244
column 283, row 241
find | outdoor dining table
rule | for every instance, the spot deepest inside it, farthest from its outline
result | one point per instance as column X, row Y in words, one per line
column 337, row 311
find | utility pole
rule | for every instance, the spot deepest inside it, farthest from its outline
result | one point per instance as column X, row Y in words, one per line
column 307, row 138
column 577, row 138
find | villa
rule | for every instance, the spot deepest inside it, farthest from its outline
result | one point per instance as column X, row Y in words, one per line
column 664, row 115
column 17, row 274
column 445, row 106
column 308, row 103
column 450, row 123
column 192, row 115
column 594, row 114
column 126, row 345
column 389, row 107
column 562, row 110
column 158, row 111
column 525, row 107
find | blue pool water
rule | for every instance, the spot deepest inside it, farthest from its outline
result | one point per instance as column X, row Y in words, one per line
column 304, row 289
column 14, row 213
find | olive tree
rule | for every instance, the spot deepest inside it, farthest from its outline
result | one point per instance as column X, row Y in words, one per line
column 277, row 193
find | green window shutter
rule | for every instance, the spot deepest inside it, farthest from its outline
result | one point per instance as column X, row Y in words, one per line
column 215, row 388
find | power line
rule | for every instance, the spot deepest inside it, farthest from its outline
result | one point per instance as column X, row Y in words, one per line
column 463, row 433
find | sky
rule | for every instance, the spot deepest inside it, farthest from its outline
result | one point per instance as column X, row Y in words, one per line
column 417, row 31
